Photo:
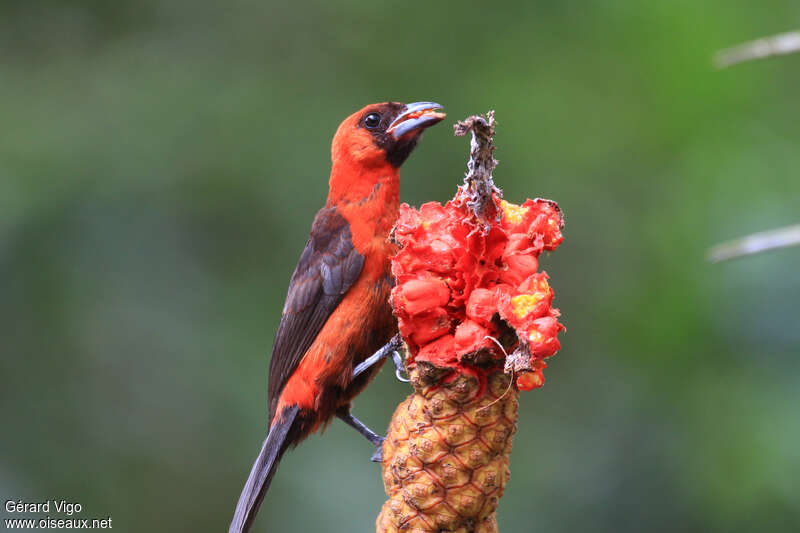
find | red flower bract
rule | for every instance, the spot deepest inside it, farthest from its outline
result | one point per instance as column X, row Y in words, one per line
column 466, row 287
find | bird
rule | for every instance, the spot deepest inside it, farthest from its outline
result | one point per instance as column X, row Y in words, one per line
column 337, row 310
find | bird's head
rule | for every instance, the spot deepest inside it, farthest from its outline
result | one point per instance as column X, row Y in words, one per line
column 381, row 134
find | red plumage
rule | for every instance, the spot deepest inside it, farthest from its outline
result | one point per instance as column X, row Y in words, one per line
column 337, row 310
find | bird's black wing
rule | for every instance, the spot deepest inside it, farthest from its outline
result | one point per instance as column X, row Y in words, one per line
column 328, row 267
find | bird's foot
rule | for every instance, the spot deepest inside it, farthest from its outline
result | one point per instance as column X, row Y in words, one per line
column 399, row 367
column 389, row 349
column 377, row 457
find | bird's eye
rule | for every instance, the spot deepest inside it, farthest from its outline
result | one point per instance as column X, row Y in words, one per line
column 372, row 121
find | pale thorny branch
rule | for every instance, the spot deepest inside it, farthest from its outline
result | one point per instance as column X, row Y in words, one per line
column 756, row 243
column 776, row 45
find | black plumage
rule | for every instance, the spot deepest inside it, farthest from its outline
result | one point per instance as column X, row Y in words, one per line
column 328, row 267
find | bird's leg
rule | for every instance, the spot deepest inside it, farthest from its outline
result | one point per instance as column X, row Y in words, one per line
column 359, row 426
column 390, row 348
column 347, row 417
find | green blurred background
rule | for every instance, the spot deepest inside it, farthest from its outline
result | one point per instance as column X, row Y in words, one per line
column 160, row 164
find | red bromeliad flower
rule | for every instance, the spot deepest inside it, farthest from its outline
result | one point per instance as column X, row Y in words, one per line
column 468, row 292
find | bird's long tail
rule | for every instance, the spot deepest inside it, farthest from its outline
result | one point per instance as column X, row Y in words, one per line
column 263, row 469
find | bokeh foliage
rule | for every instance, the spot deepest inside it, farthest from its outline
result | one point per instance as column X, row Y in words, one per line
column 161, row 161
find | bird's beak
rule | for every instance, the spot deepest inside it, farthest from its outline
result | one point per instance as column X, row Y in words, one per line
column 415, row 118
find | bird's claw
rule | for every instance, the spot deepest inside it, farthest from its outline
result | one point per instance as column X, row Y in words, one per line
column 377, row 457
column 399, row 368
